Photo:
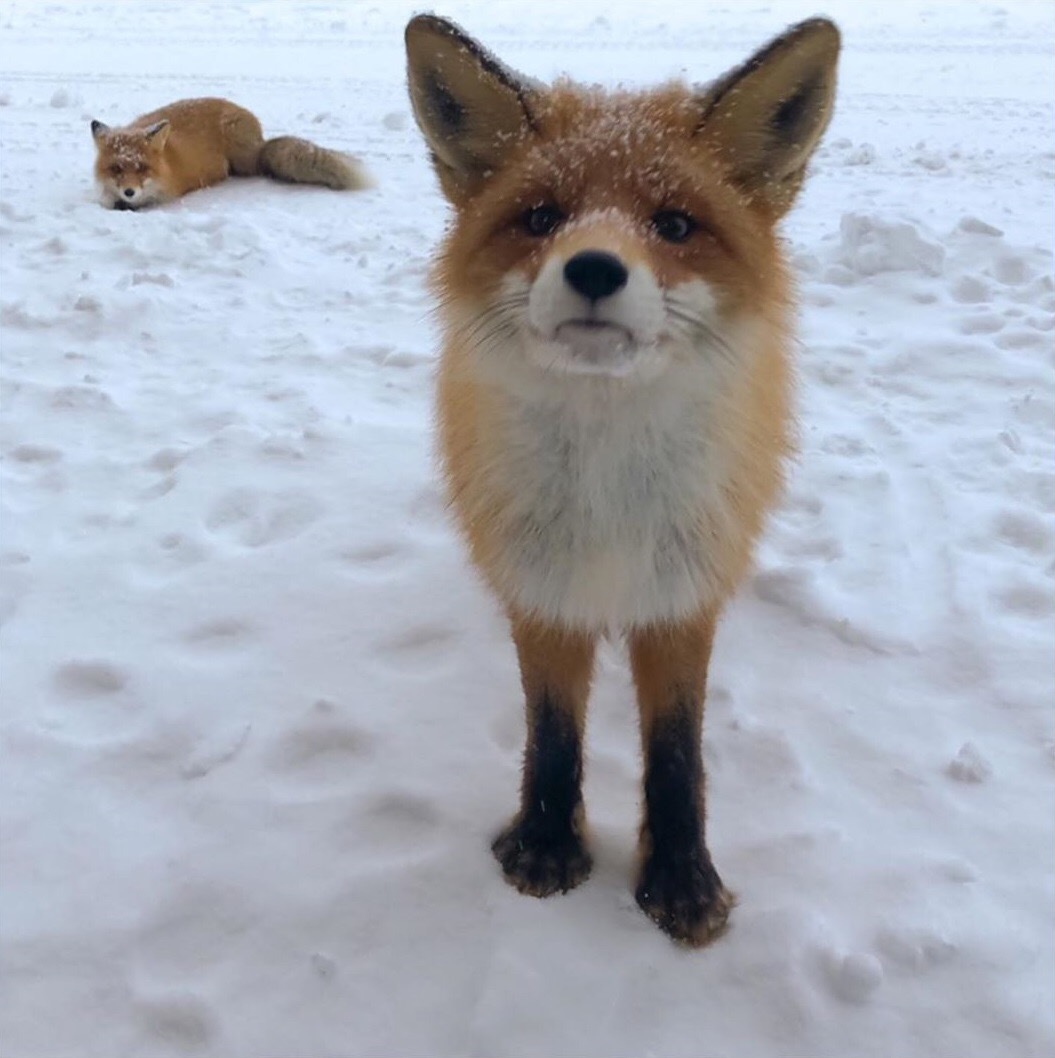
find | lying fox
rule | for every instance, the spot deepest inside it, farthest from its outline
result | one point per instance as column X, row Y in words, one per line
column 613, row 401
column 199, row 142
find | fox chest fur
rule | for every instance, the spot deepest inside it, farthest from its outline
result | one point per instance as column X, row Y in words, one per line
column 602, row 513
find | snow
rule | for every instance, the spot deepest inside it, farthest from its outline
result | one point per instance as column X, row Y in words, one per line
column 260, row 720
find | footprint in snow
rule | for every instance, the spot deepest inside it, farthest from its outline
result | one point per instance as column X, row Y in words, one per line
column 417, row 653
column 320, row 752
column 1012, row 269
column 971, row 290
column 30, row 453
column 80, row 398
column 400, row 813
column 396, row 826
column 222, row 633
column 1029, row 600
column 1023, row 339
column 256, row 519
column 166, row 459
column 420, row 638
column 376, row 561
column 181, row 1020
column 181, row 549
column 90, row 679
column 160, row 488
column 91, row 702
column 1023, row 530
column 854, row 978
column 982, row 323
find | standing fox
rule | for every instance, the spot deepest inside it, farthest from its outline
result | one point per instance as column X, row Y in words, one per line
column 613, row 401
column 199, row 142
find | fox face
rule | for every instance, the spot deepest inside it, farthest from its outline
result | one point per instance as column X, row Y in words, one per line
column 129, row 165
column 614, row 235
column 610, row 248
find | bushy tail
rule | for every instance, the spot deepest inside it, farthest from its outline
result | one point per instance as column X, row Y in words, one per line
column 299, row 161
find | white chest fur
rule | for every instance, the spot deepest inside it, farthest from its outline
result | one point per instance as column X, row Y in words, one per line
column 610, row 505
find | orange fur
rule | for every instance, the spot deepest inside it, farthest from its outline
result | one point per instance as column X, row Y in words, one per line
column 195, row 143
column 614, row 401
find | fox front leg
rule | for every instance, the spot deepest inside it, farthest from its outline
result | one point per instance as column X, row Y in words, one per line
column 543, row 849
column 678, row 886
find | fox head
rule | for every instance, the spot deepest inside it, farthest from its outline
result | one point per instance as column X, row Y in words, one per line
column 615, row 233
column 129, row 164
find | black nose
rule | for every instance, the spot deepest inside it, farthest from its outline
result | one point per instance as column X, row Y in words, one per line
column 595, row 274
column 130, row 192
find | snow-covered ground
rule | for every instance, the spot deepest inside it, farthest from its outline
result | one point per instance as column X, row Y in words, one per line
column 260, row 720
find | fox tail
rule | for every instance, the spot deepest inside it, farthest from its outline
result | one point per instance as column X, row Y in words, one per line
column 297, row 161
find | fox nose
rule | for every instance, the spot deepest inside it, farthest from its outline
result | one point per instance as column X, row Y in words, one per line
column 130, row 192
column 595, row 274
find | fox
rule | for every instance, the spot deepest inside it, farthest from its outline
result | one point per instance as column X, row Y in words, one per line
column 613, row 402
column 195, row 143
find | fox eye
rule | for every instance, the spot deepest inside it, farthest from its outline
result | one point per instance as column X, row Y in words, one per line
column 673, row 225
column 542, row 220
column 115, row 170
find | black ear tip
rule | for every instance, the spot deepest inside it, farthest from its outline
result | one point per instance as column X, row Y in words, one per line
column 819, row 24
column 822, row 32
column 425, row 21
column 421, row 26
column 431, row 24
column 417, row 24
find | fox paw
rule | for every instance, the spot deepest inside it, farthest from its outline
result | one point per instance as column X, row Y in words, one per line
column 541, row 863
column 686, row 899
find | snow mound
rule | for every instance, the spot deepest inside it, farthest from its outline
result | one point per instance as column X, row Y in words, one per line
column 870, row 245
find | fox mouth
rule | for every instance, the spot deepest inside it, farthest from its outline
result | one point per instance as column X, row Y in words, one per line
column 595, row 335
column 595, row 346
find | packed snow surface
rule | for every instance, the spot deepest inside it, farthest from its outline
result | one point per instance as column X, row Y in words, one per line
column 260, row 720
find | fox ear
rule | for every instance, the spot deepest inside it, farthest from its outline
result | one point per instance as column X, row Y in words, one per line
column 157, row 133
column 767, row 116
column 99, row 130
column 471, row 109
